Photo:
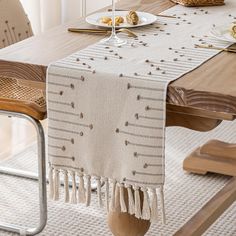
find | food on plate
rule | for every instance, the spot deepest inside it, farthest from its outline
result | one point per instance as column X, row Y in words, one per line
column 233, row 30
column 119, row 19
column 132, row 18
column 106, row 19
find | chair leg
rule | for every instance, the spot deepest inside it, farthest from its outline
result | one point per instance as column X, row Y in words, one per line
column 42, row 182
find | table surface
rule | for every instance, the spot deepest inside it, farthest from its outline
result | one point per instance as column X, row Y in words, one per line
column 210, row 88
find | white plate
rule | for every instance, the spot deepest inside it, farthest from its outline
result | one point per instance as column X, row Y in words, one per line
column 223, row 33
column 144, row 19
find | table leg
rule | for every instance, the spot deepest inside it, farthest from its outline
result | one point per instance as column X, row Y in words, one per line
column 124, row 224
column 215, row 156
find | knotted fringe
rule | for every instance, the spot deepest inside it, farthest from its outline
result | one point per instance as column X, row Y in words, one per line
column 122, row 199
column 137, row 205
column 154, row 209
column 66, row 186
column 81, row 190
column 56, row 185
column 131, row 200
column 88, row 190
column 99, row 192
column 107, row 193
column 161, row 193
column 146, row 214
column 147, row 209
column 51, row 184
column 73, row 198
column 113, row 196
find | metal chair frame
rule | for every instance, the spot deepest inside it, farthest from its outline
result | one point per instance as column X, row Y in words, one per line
column 41, row 177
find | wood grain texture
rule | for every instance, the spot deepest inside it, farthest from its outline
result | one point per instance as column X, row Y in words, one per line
column 210, row 87
column 214, row 156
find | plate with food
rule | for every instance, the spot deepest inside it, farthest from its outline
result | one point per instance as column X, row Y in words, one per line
column 123, row 19
column 225, row 33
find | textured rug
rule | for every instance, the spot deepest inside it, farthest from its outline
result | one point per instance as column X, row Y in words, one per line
column 185, row 193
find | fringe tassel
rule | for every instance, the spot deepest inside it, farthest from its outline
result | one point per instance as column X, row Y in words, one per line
column 56, row 185
column 131, row 200
column 113, row 196
column 66, row 186
column 107, row 193
column 161, row 192
column 99, row 192
column 88, row 191
column 146, row 214
column 81, row 190
column 154, row 208
column 122, row 199
column 51, row 184
column 137, row 207
column 73, row 198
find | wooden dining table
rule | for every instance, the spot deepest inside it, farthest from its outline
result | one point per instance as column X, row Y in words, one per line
column 199, row 100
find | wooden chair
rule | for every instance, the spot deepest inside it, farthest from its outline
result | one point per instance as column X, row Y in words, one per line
column 23, row 99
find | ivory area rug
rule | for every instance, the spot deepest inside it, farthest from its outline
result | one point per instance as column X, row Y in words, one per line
column 185, row 193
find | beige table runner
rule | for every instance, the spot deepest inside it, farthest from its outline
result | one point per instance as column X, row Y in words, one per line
column 106, row 109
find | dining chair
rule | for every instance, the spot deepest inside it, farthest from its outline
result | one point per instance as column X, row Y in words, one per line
column 25, row 99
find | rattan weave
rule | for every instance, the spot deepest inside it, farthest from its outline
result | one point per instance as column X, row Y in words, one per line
column 193, row 3
column 10, row 88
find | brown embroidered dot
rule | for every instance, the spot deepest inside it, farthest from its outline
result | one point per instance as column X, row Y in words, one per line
column 138, row 97
column 126, row 123
column 84, row 64
column 105, row 58
column 145, row 165
column 177, row 23
column 73, row 158
column 116, row 54
column 117, row 130
column 124, row 179
column 147, row 61
column 63, row 148
column 61, row 93
column 133, row 172
column 206, row 12
column 72, row 86
column 152, row 65
column 89, row 67
column 81, row 115
column 158, row 68
column 155, row 34
column 136, row 116
column 82, row 169
column 73, row 105
column 120, row 57
column 111, row 51
column 72, row 141
column 135, row 154
column 126, row 142
column 136, row 74
column 81, row 134
column 128, row 86
column 106, row 47
column 147, row 108
column 91, row 126
column 163, row 72
column 6, row 21
column 162, row 61
column 143, row 35
column 93, row 71
column 175, row 59
column 149, row 73
column 170, row 48
column 91, row 58
column 121, row 75
column 77, row 59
